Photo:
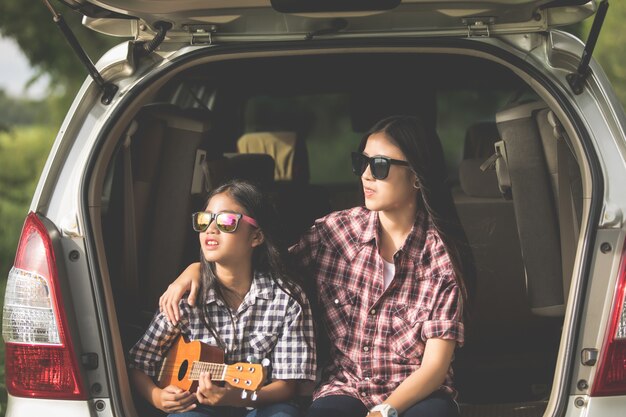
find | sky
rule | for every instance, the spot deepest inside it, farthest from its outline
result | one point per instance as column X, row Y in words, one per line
column 15, row 72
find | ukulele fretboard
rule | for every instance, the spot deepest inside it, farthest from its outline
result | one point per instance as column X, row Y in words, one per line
column 217, row 371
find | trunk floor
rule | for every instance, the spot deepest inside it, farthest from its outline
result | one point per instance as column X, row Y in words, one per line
column 526, row 409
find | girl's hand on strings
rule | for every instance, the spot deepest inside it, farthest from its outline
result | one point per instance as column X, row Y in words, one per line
column 211, row 394
column 172, row 399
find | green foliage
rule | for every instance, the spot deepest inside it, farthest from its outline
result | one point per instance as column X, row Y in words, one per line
column 31, row 26
column 17, row 111
column 23, row 152
column 610, row 50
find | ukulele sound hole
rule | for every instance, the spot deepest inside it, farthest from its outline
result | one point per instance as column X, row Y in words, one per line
column 182, row 371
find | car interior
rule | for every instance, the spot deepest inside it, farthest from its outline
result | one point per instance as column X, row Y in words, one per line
column 289, row 123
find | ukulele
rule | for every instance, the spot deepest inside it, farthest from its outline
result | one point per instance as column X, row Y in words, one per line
column 185, row 361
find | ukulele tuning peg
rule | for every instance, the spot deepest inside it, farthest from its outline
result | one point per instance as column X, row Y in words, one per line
column 254, row 396
column 244, row 394
column 265, row 362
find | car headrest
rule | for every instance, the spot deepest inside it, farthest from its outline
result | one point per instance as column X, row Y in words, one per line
column 290, row 157
column 479, row 140
column 478, row 183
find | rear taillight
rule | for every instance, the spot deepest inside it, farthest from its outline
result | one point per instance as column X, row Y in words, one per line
column 611, row 376
column 40, row 360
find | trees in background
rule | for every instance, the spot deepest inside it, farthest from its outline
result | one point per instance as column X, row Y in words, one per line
column 31, row 26
column 610, row 50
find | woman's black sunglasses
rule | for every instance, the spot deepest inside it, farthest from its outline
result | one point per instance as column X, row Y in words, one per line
column 379, row 165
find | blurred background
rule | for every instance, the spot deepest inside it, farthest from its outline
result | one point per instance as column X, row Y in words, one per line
column 39, row 76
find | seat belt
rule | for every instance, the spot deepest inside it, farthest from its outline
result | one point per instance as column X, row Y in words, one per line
column 131, row 278
column 568, row 226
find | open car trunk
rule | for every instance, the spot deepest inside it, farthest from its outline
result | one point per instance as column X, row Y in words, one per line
column 188, row 133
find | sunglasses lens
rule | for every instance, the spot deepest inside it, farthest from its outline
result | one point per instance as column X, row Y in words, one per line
column 201, row 221
column 227, row 222
column 359, row 163
column 380, row 168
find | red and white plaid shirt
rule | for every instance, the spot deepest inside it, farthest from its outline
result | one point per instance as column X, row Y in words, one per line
column 378, row 336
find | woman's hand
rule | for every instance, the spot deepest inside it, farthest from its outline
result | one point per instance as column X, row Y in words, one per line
column 210, row 394
column 189, row 280
column 374, row 414
column 172, row 399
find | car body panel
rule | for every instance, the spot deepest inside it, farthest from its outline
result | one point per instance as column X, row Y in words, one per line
column 259, row 19
column 19, row 407
column 594, row 116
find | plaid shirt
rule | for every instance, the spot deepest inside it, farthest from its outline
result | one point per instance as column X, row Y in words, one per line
column 268, row 324
column 378, row 336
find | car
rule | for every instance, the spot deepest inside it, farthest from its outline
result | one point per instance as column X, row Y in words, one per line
column 280, row 92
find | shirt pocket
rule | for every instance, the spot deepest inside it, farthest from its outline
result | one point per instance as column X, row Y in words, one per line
column 339, row 312
column 262, row 344
column 406, row 325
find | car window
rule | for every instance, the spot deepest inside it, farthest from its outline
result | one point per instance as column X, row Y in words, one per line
column 460, row 109
column 322, row 121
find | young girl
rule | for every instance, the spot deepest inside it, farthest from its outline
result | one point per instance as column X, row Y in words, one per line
column 391, row 280
column 248, row 305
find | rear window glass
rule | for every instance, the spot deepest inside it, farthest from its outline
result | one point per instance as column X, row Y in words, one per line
column 323, row 122
column 457, row 111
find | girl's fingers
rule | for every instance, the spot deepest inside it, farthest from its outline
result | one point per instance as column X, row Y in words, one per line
column 187, row 400
column 171, row 313
column 179, row 401
column 193, row 293
column 183, row 396
column 189, row 407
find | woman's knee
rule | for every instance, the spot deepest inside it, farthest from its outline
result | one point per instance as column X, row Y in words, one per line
column 337, row 406
column 438, row 404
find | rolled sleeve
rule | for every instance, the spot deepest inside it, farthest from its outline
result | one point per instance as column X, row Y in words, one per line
column 305, row 251
column 294, row 356
column 150, row 350
column 446, row 320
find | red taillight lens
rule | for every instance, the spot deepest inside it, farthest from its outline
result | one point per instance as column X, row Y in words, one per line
column 611, row 376
column 40, row 359
column 41, row 371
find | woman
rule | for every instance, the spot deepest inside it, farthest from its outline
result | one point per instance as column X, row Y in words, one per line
column 391, row 280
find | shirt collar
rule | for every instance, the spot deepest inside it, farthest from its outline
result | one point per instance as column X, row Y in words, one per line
column 262, row 287
column 414, row 242
column 370, row 231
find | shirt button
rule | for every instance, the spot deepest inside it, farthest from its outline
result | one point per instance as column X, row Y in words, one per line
column 363, row 394
column 366, row 348
column 373, row 311
column 336, row 301
column 367, row 378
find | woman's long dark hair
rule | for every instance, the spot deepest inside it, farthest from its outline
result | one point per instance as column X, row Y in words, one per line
column 267, row 258
column 422, row 148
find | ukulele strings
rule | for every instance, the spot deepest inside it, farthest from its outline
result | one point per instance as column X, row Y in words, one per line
column 216, row 370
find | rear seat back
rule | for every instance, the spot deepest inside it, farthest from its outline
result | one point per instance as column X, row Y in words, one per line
column 506, row 344
column 163, row 172
column 489, row 223
column 541, row 169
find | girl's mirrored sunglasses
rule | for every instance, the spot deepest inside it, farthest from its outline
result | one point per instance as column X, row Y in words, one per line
column 225, row 221
column 379, row 165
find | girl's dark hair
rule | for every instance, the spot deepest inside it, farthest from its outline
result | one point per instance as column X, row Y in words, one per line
column 422, row 148
column 268, row 258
